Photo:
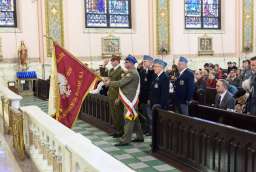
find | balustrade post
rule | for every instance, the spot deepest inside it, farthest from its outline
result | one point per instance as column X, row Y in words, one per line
column 4, row 125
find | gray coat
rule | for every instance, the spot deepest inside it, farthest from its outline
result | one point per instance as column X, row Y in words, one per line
column 228, row 101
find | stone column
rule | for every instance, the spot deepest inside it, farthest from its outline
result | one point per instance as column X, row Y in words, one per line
column 54, row 23
column 1, row 53
column 163, row 26
column 248, row 25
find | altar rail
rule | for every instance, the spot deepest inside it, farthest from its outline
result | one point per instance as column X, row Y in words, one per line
column 11, row 119
column 8, row 99
column 201, row 144
column 55, row 148
column 95, row 110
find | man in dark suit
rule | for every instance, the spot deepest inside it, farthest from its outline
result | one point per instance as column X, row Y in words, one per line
column 159, row 89
column 251, row 103
column 184, row 87
column 224, row 99
column 146, row 77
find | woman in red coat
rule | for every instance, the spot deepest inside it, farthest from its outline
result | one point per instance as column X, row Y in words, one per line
column 211, row 82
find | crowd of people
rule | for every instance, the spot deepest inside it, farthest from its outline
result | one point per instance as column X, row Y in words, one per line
column 235, row 86
column 135, row 91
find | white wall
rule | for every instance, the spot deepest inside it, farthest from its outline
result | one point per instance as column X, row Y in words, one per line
column 27, row 31
column 186, row 41
column 87, row 43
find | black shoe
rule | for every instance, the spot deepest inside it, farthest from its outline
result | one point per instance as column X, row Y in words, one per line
column 138, row 140
column 122, row 144
column 112, row 134
column 145, row 131
column 117, row 135
column 148, row 134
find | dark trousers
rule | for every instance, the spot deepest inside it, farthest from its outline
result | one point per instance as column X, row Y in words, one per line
column 182, row 109
column 147, row 113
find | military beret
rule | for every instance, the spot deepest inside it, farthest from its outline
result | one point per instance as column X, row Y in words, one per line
column 147, row 58
column 160, row 62
column 131, row 59
column 183, row 60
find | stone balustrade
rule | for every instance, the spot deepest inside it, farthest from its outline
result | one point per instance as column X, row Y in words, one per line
column 55, row 148
column 8, row 99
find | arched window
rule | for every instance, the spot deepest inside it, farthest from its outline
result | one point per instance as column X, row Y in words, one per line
column 202, row 14
column 8, row 13
column 108, row 13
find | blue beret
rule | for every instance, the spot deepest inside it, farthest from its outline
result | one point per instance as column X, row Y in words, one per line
column 131, row 59
column 148, row 58
column 183, row 59
column 161, row 62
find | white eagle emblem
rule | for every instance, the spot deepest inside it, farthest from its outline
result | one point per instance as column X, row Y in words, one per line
column 65, row 90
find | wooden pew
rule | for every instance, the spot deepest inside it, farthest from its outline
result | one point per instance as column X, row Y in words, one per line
column 234, row 119
column 41, row 89
column 95, row 110
column 202, row 145
column 207, row 97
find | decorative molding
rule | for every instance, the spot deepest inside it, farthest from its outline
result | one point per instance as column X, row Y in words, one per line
column 110, row 45
column 248, row 25
column 163, row 26
column 54, row 23
column 216, row 55
column 205, row 46
column 16, row 60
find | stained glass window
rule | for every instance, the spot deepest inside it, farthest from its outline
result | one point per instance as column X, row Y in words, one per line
column 8, row 13
column 108, row 13
column 202, row 14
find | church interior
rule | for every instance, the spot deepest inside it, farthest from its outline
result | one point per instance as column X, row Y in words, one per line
column 127, row 85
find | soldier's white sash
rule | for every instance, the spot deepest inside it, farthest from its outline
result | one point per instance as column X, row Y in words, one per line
column 130, row 106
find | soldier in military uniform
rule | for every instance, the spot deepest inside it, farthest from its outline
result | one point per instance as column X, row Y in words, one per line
column 129, row 89
column 116, row 109
column 146, row 77
column 184, row 87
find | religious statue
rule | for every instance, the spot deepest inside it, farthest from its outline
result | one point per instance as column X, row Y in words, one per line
column 23, row 56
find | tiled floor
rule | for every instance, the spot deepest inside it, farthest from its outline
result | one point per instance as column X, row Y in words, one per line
column 137, row 155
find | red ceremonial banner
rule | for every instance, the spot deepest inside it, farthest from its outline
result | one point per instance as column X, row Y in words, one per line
column 75, row 81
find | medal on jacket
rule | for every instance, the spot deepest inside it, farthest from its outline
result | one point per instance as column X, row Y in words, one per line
column 181, row 82
column 146, row 79
column 156, row 85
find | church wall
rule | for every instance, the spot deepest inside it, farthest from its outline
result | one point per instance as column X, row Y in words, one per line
column 186, row 41
column 27, row 30
column 87, row 42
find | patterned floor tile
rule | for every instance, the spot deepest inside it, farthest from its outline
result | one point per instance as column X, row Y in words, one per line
column 164, row 167
column 155, row 163
column 149, row 169
column 146, row 158
column 133, row 150
column 138, row 165
column 130, row 161
column 101, row 143
column 111, row 149
column 123, row 156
